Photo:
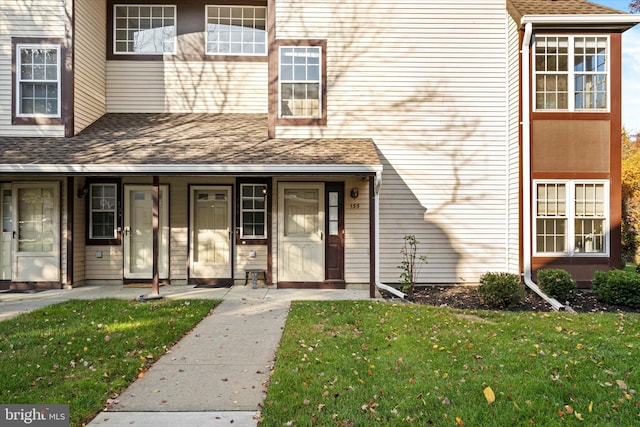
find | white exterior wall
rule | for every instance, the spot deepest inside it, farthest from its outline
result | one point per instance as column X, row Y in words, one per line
column 90, row 62
column 513, row 150
column 426, row 80
column 34, row 19
column 186, row 87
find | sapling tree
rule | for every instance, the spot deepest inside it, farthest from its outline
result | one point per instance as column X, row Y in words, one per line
column 411, row 264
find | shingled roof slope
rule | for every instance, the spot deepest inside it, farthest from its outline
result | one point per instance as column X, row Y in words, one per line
column 189, row 139
column 520, row 8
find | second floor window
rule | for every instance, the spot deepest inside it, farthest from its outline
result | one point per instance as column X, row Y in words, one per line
column 571, row 73
column 300, row 82
column 38, row 80
column 236, row 30
column 144, row 29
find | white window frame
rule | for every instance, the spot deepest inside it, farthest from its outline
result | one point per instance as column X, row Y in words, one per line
column 243, row 210
column 20, row 80
column 300, row 81
column 126, row 40
column 113, row 209
column 571, row 73
column 242, row 34
column 570, row 217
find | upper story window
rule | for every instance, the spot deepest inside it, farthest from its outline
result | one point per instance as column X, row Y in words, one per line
column 571, row 73
column 253, row 211
column 236, row 30
column 38, row 80
column 571, row 218
column 144, row 29
column 300, row 82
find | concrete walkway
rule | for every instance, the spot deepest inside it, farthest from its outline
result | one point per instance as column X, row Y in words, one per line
column 217, row 374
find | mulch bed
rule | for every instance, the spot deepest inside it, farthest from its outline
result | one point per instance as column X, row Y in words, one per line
column 465, row 297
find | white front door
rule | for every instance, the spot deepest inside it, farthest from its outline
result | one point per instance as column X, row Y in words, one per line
column 36, row 241
column 210, row 242
column 6, row 213
column 301, row 232
column 138, row 232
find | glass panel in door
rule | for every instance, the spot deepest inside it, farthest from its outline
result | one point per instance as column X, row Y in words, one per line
column 6, row 212
column 301, row 208
column 211, row 233
column 138, row 241
column 36, row 226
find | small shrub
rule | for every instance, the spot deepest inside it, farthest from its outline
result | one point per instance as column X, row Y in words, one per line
column 557, row 283
column 617, row 287
column 501, row 289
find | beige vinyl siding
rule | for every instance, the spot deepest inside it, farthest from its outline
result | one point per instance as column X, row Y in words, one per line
column 186, row 87
column 90, row 63
column 79, row 237
column 245, row 261
column 37, row 19
column 426, row 80
column 513, row 153
column 356, row 237
column 104, row 264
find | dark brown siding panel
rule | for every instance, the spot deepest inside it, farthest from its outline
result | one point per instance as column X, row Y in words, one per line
column 570, row 146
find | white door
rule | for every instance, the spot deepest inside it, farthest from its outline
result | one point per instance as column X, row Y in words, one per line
column 301, row 232
column 36, row 241
column 210, row 243
column 138, row 233
column 6, row 213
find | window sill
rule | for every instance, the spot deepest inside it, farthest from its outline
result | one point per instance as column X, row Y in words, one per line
column 23, row 120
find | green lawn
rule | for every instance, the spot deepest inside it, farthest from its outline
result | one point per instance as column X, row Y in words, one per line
column 373, row 363
column 82, row 352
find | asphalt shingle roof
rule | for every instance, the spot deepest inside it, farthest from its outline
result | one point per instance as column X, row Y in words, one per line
column 189, row 139
column 558, row 7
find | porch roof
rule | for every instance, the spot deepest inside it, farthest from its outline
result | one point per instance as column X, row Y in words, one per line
column 185, row 143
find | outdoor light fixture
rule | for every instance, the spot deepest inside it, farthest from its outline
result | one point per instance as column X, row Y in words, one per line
column 264, row 190
column 354, row 193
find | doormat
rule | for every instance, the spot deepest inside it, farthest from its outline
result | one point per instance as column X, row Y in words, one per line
column 140, row 285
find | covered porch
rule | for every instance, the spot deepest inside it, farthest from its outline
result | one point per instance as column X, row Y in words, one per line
column 187, row 199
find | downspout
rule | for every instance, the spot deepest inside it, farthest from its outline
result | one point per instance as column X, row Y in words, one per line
column 376, row 246
column 526, row 169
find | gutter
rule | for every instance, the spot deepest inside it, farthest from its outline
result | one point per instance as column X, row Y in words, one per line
column 191, row 169
column 378, row 283
column 526, row 170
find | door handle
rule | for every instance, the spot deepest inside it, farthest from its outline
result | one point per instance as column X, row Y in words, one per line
column 13, row 235
column 321, row 235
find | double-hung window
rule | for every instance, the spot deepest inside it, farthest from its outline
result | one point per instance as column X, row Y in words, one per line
column 236, row 30
column 571, row 73
column 144, row 29
column 38, row 80
column 253, row 211
column 300, row 82
column 103, row 207
column 571, row 218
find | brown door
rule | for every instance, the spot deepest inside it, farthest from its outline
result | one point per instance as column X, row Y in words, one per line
column 334, row 265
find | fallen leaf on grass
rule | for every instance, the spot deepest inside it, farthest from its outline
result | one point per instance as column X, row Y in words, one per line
column 459, row 421
column 621, row 384
column 489, row 395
